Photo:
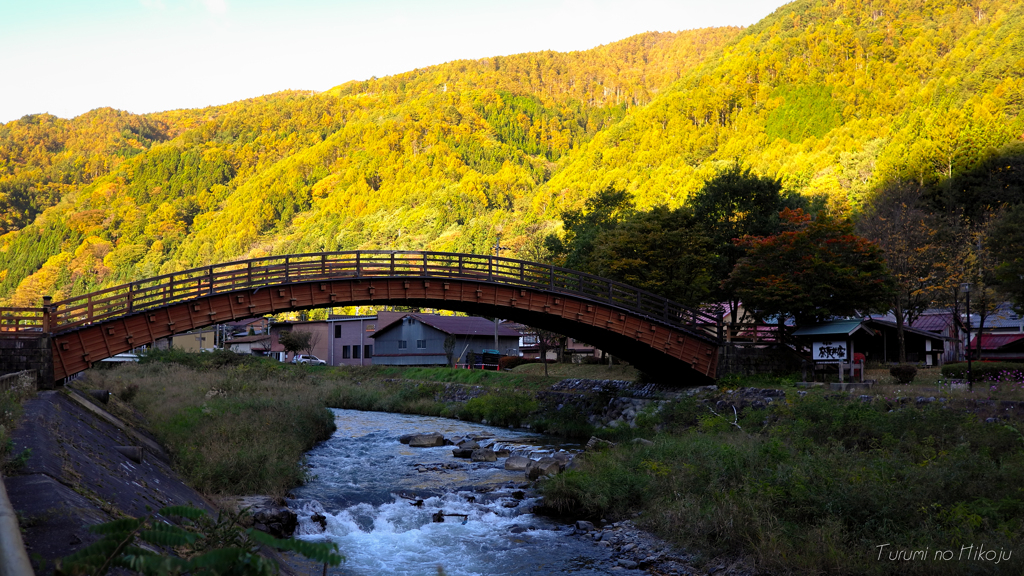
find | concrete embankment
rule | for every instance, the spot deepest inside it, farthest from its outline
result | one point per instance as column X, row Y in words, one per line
column 81, row 466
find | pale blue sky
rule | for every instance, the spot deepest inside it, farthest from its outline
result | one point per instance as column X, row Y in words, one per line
column 67, row 57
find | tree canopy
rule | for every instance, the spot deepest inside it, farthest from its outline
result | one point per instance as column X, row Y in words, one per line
column 814, row 270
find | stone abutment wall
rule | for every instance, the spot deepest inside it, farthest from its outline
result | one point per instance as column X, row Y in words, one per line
column 31, row 353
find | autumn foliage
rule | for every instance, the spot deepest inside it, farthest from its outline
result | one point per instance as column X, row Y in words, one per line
column 815, row 269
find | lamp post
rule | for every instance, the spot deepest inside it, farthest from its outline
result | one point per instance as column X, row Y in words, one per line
column 966, row 288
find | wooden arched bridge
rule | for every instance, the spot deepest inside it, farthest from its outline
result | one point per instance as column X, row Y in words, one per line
column 651, row 332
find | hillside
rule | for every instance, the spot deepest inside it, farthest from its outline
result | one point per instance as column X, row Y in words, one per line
column 832, row 97
column 434, row 158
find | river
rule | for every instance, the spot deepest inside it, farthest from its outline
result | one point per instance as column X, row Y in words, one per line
column 367, row 486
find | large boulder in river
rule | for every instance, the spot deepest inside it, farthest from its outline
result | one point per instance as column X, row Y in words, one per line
column 483, row 455
column 426, row 440
column 277, row 521
column 517, row 463
column 462, row 452
column 543, row 467
column 469, row 444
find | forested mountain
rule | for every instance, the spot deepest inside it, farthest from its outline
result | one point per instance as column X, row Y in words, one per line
column 830, row 97
column 834, row 98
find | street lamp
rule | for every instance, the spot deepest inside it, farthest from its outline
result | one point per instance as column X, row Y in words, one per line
column 966, row 289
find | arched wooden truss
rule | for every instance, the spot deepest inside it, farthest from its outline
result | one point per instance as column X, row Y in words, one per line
column 655, row 334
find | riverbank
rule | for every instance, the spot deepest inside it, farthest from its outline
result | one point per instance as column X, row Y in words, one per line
column 797, row 482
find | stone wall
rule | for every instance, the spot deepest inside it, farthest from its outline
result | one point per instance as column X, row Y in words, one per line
column 28, row 353
column 751, row 360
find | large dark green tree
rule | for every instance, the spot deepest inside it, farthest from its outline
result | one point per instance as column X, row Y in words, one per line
column 814, row 270
column 602, row 213
column 733, row 204
column 660, row 251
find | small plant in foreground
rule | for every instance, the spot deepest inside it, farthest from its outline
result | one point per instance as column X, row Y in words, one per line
column 207, row 547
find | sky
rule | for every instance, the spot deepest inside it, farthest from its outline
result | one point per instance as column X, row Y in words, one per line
column 66, row 57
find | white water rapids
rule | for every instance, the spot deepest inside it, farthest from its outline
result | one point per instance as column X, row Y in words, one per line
column 362, row 472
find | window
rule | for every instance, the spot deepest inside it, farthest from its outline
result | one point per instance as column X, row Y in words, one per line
column 402, row 344
column 355, row 351
column 368, row 351
column 337, row 330
column 371, row 327
column 345, row 351
column 421, row 344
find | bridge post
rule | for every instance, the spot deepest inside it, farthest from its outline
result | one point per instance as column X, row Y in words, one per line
column 47, row 308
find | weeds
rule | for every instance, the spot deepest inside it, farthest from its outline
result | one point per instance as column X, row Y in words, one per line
column 241, row 429
column 824, row 482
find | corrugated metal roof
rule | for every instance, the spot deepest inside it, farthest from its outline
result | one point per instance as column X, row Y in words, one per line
column 892, row 324
column 833, row 328
column 996, row 341
column 933, row 322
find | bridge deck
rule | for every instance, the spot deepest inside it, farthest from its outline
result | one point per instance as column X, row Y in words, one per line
column 145, row 310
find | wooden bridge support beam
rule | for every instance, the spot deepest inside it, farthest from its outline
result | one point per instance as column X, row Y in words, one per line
column 652, row 346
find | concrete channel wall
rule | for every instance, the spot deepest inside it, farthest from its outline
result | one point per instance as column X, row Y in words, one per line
column 13, row 558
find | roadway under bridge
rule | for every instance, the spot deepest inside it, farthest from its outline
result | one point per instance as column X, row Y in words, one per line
column 675, row 343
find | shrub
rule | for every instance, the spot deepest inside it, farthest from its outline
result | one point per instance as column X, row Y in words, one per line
column 510, row 362
column 499, row 409
column 986, row 371
column 903, row 373
column 128, row 392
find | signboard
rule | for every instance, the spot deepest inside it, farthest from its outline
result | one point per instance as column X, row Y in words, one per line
column 829, row 351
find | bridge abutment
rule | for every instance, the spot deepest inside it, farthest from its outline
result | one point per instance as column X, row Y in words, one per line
column 32, row 353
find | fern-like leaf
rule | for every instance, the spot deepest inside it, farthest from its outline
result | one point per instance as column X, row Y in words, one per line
column 167, row 538
column 182, row 511
column 326, row 552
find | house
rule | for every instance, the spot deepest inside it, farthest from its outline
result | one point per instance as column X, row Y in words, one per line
column 258, row 345
column 999, row 347
column 418, row 339
column 351, row 338
column 318, row 338
column 197, row 341
column 841, row 340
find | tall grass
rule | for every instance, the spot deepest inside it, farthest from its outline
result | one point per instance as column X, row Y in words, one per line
column 239, row 428
column 815, row 491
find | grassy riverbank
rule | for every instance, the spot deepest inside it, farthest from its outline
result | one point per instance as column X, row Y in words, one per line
column 815, row 485
column 812, row 485
column 240, row 425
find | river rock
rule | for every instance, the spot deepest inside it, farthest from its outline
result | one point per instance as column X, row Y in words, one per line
column 543, row 467
column 462, row 452
column 426, row 440
column 584, row 526
column 643, row 441
column 468, row 444
column 277, row 521
column 483, row 455
column 517, row 463
column 503, row 453
column 596, row 443
column 562, row 456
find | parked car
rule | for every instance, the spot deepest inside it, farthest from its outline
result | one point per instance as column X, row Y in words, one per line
column 308, row 359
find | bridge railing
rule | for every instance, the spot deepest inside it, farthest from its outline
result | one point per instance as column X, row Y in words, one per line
column 268, row 271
